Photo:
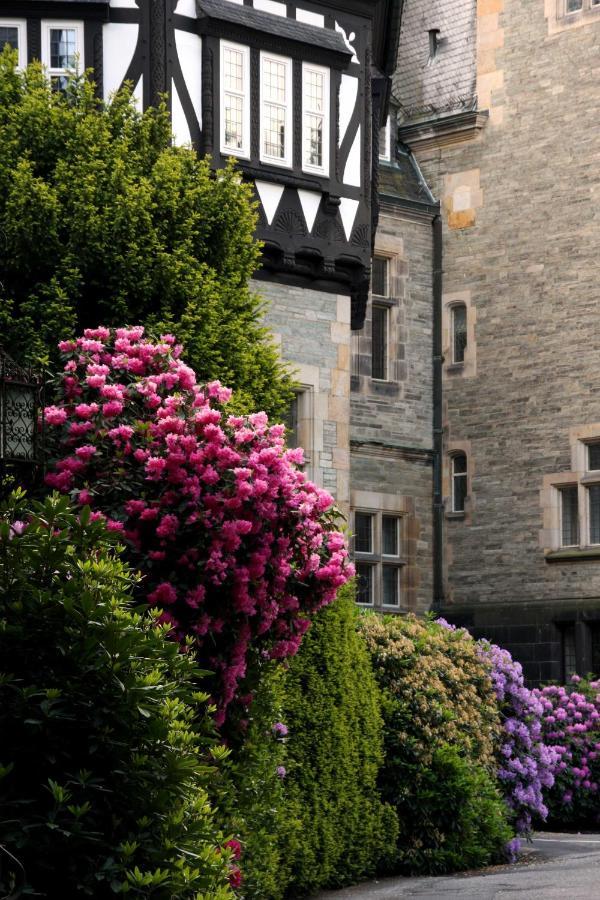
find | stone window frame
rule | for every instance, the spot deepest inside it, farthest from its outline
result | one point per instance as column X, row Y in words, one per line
column 376, row 559
column 392, row 249
column 453, row 449
column 468, row 367
column 582, row 477
column 560, row 20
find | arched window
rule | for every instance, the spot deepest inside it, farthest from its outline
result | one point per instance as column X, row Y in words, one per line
column 459, row 481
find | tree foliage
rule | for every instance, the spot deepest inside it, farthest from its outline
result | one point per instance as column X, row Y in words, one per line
column 105, row 740
column 104, row 221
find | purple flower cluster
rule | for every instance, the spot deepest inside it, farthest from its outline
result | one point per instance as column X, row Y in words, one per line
column 527, row 764
column 571, row 721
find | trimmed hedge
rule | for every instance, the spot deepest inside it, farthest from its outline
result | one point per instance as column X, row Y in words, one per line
column 334, row 754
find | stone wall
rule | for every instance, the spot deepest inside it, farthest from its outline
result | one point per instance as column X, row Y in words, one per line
column 523, row 255
column 391, row 421
column 312, row 329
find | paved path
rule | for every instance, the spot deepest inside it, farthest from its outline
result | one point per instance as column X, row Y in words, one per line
column 554, row 866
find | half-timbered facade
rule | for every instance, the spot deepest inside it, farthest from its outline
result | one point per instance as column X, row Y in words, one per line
column 295, row 91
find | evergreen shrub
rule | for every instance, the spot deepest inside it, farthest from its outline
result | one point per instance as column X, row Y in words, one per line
column 334, row 754
column 103, row 220
column 442, row 728
column 106, row 745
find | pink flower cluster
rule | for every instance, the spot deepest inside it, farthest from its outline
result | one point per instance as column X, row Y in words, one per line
column 571, row 721
column 236, row 546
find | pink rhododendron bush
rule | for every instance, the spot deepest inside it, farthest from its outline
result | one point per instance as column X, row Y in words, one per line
column 571, row 722
column 236, row 546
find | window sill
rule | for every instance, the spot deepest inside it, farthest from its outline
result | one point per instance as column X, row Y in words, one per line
column 455, row 515
column 455, row 368
column 572, row 554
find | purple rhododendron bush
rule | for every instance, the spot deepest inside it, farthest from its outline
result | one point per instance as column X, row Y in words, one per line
column 527, row 764
column 571, row 722
column 235, row 545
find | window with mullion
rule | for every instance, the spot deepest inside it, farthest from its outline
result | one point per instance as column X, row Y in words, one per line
column 315, row 119
column 235, row 99
column 276, row 109
column 377, row 542
column 62, row 51
column 569, row 516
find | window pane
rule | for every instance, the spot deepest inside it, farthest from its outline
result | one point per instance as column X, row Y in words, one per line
column 379, row 277
column 569, row 657
column 389, row 535
column 363, row 533
column 291, row 424
column 9, row 35
column 594, row 456
column 313, row 151
column 234, row 119
column 379, row 342
column 459, row 333
column 390, row 585
column 364, row 584
column 233, row 69
column 274, row 80
column 594, row 505
column 569, row 517
column 574, row 5
column 62, row 48
column 274, row 131
column 314, row 91
column 459, row 483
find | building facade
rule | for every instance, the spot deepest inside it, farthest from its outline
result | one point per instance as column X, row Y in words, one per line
column 296, row 93
column 498, row 103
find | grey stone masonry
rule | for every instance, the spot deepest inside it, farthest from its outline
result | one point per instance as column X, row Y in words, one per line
column 312, row 329
column 521, row 208
column 391, row 420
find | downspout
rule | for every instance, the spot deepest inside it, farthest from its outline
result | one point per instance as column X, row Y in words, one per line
column 438, row 500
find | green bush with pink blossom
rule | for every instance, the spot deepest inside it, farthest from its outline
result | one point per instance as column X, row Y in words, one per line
column 236, row 547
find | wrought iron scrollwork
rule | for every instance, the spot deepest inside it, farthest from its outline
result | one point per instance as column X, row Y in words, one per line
column 21, row 430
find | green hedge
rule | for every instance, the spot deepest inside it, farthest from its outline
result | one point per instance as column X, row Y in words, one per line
column 334, row 753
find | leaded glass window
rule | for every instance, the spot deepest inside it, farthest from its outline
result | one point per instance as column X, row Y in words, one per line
column 569, row 651
column 379, row 342
column 594, row 513
column 594, row 455
column 569, row 516
column 276, row 123
column 9, row 34
column 459, row 482
column 315, row 124
column 235, row 99
column 459, row 333
column 363, row 532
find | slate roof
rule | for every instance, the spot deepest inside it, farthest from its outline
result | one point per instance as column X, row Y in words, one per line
column 402, row 179
column 280, row 26
column 426, row 88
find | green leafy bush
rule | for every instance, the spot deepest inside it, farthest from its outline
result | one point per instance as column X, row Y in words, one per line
column 251, row 791
column 454, row 816
column 105, row 743
column 103, row 221
column 441, row 731
column 334, row 753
